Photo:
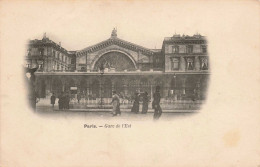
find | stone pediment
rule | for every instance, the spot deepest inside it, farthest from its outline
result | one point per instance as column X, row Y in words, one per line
column 115, row 41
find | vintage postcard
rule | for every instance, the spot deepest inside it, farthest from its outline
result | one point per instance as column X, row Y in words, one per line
column 130, row 83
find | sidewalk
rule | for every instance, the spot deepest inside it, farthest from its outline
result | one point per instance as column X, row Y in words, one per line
column 179, row 106
column 129, row 110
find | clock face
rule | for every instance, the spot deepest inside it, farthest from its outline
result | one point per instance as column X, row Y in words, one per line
column 115, row 60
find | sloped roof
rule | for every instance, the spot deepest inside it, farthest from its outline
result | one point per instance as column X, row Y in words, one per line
column 116, row 41
column 156, row 50
column 46, row 41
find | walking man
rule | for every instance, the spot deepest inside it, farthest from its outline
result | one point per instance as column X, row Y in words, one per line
column 135, row 108
column 145, row 103
column 156, row 103
column 115, row 102
column 53, row 98
column 61, row 101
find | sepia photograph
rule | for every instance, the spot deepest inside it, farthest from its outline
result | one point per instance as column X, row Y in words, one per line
column 115, row 75
column 129, row 83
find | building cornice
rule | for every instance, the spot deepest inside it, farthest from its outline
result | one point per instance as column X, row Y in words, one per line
column 115, row 41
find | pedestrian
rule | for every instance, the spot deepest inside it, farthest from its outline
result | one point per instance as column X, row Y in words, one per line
column 61, row 101
column 195, row 95
column 116, row 104
column 156, row 103
column 53, row 98
column 118, row 112
column 135, row 107
column 67, row 101
column 145, row 103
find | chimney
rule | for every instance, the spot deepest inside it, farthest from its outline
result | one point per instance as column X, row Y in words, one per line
column 44, row 35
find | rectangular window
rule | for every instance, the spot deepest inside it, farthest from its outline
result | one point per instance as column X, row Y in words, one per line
column 204, row 64
column 175, row 64
column 190, row 65
column 175, row 49
column 41, row 51
column 189, row 49
column 204, row 49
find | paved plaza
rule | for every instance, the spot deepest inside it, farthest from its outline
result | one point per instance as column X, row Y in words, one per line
column 96, row 112
column 107, row 115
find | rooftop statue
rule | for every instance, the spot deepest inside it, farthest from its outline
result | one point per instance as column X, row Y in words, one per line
column 114, row 33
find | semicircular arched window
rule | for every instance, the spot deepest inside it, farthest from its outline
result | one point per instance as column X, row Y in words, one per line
column 115, row 61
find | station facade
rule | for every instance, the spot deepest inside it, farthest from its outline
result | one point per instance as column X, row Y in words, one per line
column 180, row 68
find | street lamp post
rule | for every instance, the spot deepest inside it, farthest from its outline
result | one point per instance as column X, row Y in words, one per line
column 101, row 70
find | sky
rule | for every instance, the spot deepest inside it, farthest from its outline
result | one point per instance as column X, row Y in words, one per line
column 78, row 24
column 232, row 107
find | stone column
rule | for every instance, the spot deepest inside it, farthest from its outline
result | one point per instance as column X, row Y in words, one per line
column 184, row 85
column 197, row 63
column 167, row 63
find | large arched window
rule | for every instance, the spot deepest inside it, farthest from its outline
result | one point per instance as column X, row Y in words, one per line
column 115, row 61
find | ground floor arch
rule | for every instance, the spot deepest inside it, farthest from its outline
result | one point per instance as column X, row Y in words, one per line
column 96, row 86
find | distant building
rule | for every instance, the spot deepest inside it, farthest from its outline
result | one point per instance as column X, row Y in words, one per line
column 181, row 67
column 50, row 56
column 187, row 57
